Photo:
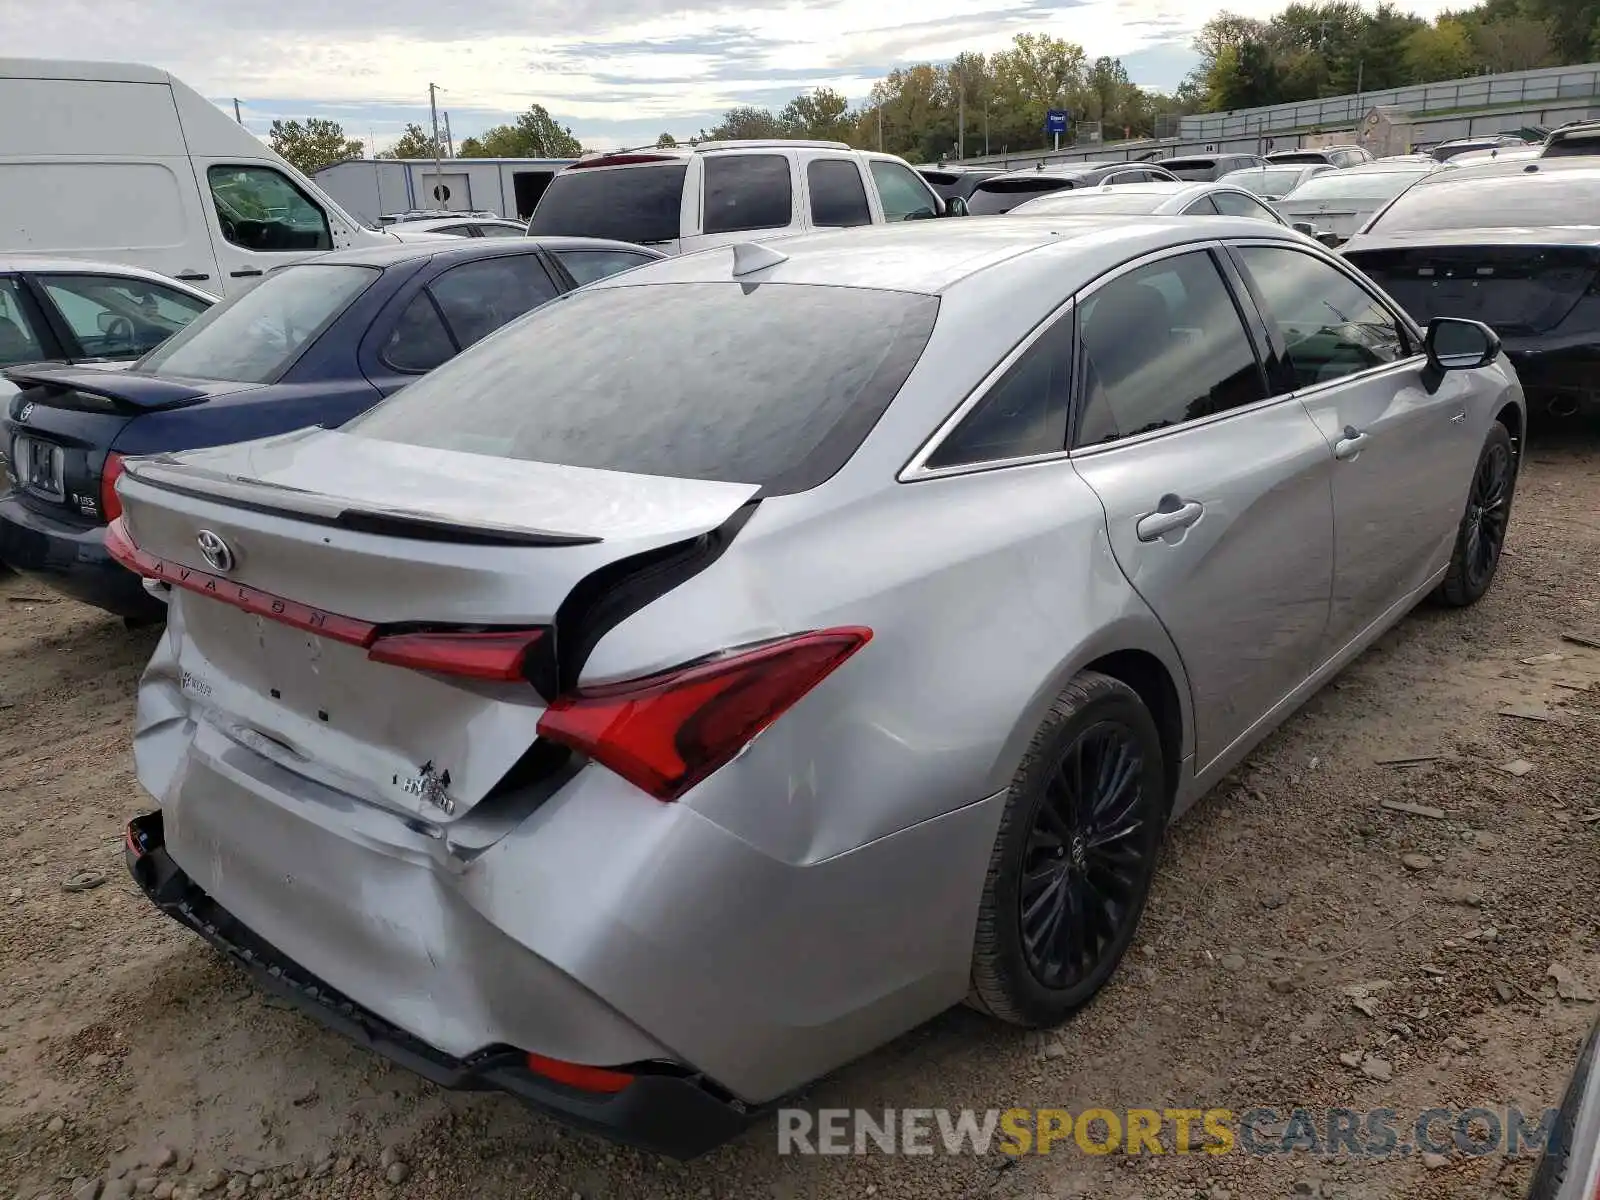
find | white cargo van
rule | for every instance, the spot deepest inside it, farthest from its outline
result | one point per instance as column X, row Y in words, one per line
column 124, row 163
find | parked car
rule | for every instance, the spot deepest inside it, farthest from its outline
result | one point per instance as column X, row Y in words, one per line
column 716, row 193
column 463, row 225
column 953, row 182
column 1333, row 156
column 1004, row 192
column 1151, row 199
column 1341, row 202
column 124, row 161
column 1447, row 151
column 454, row 727
column 1273, row 182
column 1512, row 244
column 1579, row 139
column 1569, row 1167
column 1209, row 166
column 316, row 343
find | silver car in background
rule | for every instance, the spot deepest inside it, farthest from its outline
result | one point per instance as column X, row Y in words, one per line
column 1341, row 202
column 1275, row 181
column 734, row 663
column 1152, row 200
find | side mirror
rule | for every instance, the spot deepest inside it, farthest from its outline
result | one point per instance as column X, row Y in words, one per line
column 955, row 207
column 105, row 320
column 1330, row 240
column 1457, row 344
column 1305, row 227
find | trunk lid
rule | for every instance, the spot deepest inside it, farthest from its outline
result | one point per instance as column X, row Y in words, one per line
column 1518, row 285
column 330, row 532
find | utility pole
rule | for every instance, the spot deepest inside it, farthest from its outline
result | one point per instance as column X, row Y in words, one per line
column 438, row 171
column 986, row 127
column 236, row 115
column 449, row 139
column 961, row 118
column 1361, row 66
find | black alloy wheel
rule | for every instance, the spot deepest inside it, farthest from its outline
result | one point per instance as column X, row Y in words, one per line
column 1481, row 536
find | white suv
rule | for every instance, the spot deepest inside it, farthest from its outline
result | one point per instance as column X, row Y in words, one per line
column 688, row 198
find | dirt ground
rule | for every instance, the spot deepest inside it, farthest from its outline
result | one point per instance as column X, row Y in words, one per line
column 1286, row 930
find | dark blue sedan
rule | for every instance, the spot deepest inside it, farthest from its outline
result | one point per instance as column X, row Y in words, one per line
column 316, row 343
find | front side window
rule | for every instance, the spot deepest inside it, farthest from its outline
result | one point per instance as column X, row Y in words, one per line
column 1163, row 344
column 585, row 266
column 1024, row 413
column 259, row 209
column 1237, row 204
column 1332, row 325
column 838, row 197
column 18, row 341
column 477, row 298
column 256, row 336
column 774, row 385
column 747, row 191
column 119, row 317
column 905, row 197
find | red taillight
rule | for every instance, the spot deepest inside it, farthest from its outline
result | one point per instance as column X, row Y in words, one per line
column 495, row 655
column 576, row 1075
column 667, row 732
column 110, row 502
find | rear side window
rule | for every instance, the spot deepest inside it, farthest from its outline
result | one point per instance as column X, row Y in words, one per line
column 627, row 204
column 1023, row 414
column 1162, row 345
column 1236, row 204
column 419, row 341
column 774, row 385
column 747, row 191
column 585, row 266
column 838, row 197
column 477, row 298
column 1002, row 195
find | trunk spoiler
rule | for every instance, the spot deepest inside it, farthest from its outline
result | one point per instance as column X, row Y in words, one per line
column 125, row 392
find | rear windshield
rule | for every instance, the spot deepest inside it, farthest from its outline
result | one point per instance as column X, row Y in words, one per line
column 627, row 204
column 1586, row 144
column 255, row 337
column 1188, row 164
column 774, row 385
column 1096, row 201
column 1339, row 185
column 1510, row 202
column 1002, row 195
column 1306, row 157
column 1272, row 183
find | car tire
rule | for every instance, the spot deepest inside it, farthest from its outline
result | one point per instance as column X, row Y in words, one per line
column 1062, row 899
column 1481, row 536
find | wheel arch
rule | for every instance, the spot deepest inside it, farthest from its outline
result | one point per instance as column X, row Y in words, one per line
column 1137, row 651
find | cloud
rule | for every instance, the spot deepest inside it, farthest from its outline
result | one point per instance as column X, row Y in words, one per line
column 611, row 69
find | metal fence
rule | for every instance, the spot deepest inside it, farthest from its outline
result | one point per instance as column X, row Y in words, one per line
column 1550, row 84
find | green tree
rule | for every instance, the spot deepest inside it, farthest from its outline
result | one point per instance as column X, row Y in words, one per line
column 1518, row 44
column 822, row 114
column 744, row 123
column 535, row 134
column 316, row 144
column 666, row 141
column 413, row 143
column 1442, row 50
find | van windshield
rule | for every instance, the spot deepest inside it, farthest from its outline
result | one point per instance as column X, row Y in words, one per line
column 257, row 336
column 639, row 204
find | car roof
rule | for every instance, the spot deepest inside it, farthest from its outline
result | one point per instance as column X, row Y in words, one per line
column 1069, row 170
column 1387, row 167
column 465, row 248
column 934, row 257
column 431, row 223
column 10, row 263
column 1498, row 168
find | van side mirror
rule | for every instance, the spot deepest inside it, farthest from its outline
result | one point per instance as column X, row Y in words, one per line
column 955, row 207
column 1457, row 344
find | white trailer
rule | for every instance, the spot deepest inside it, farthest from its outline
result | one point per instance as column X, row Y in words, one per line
column 373, row 187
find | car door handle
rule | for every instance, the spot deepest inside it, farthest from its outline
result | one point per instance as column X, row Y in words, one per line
column 247, row 273
column 1351, row 444
column 1172, row 513
column 192, row 277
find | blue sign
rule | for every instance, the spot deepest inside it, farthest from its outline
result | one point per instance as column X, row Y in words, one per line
column 1055, row 121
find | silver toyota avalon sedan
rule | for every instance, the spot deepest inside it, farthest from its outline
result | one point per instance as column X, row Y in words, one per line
column 734, row 663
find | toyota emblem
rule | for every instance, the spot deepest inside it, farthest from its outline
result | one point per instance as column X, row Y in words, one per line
column 27, row 411
column 216, row 551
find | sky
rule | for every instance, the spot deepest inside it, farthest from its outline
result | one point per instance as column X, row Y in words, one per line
column 619, row 72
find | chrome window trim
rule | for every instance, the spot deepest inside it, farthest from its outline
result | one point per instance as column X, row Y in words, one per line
column 916, row 469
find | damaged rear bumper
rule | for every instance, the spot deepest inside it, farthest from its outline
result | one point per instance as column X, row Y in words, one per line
column 663, row 1109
